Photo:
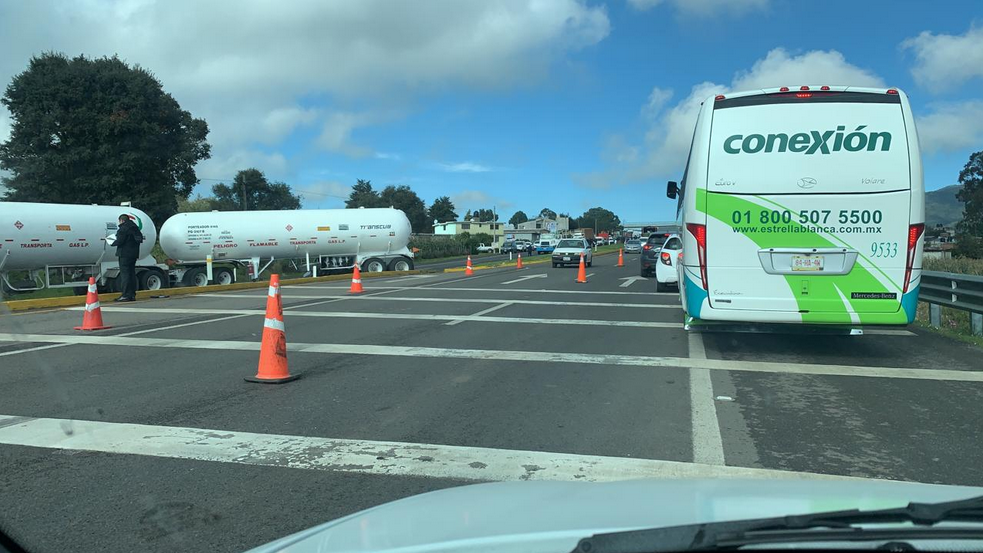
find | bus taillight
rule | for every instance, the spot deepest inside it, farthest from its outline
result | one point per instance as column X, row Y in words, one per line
column 699, row 232
column 914, row 233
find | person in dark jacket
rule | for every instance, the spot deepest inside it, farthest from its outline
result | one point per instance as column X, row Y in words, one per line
column 128, row 239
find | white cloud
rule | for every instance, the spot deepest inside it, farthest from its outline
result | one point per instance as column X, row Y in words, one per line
column 951, row 126
column 663, row 151
column 280, row 122
column 476, row 199
column 702, row 7
column 657, row 100
column 244, row 70
column 5, row 124
column 323, row 191
column 463, row 167
column 274, row 165
column 388, row 156
column 946, row 60
column 337, row 131
column 816, row 67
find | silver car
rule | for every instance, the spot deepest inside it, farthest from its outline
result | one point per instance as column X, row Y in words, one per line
column 633, row 246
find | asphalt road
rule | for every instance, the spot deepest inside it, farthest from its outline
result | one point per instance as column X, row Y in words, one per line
column 146, row 436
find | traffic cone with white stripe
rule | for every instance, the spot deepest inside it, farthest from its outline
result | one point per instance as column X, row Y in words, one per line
column 582, row 273
column 468, row 270
column 621, row 257
column 92, row 320
column 273, row 352
column 518, row 264
column 356, row 281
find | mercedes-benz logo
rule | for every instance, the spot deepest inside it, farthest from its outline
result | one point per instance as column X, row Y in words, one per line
column 807, row 182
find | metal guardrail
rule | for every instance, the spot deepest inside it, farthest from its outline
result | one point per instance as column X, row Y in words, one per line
column 964, row 292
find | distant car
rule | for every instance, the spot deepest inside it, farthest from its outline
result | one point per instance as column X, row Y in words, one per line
column 524, row 246
column 569, row 250
column 485, row 248
column 545, row 246
column 665, row 268
column 650, row 255
column 633, row 246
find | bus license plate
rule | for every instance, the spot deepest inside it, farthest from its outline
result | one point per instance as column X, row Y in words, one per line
column 807, row 262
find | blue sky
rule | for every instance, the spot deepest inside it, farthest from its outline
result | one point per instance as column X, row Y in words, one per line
column 512, row 104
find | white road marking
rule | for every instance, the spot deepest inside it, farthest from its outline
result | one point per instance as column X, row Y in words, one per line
column 479, row 313
column 628, row 281
column 588, row 275
column 358, row 456
column 469, row 300
column 403, row 316
column 509, row 290
column 520, row 279
column 134, row 333
column 708, row 446
column 641, row 361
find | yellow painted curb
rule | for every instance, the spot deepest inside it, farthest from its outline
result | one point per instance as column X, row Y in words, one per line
column 72, row 301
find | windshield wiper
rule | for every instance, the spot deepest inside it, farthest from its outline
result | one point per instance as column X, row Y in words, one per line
column 827, row 526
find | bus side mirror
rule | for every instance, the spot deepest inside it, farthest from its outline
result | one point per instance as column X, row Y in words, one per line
column 672, row 189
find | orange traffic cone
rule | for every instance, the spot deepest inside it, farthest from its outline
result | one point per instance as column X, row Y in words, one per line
column 273, row 351
column 92, row 320
column 582, row 273
column 356, row 281
column 518, row 264
column 621, row 257
column 468, row 270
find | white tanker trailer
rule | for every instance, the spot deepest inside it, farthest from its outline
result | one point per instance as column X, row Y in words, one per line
column 61, row 246
column 326, row 239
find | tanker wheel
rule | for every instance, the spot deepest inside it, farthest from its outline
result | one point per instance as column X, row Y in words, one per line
column 373, row 265
column 222, row 276
column 195, row 277
column 401, row 264
column 152, row 279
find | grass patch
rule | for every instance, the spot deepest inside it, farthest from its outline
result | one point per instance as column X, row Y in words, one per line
column 961, row 265
column 955, row 324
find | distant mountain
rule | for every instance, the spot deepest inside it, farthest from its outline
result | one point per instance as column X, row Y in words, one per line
column 941, row 206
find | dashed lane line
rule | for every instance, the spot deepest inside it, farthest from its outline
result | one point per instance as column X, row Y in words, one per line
column 479, row 313
column 640, row 361
column 357, row 456
column 458, row 300
column 391, row 316
column 708, row 447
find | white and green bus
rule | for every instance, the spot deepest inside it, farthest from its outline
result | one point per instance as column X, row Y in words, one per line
column 802, row 206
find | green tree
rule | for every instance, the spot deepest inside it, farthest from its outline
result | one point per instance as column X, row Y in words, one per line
column 969, row 231
column 405, row 199
column 442, row 210
column 187, row 205
column 468, row 216
column 548, row 213
column 363, row 196
column 599, row 218
column 486, row 215
column 518, row 217
column 99, row 131
column 251, row 191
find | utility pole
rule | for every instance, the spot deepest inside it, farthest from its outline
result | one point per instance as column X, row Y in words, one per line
column 245, row 202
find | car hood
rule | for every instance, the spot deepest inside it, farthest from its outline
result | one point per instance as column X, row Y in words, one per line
column 554, row 516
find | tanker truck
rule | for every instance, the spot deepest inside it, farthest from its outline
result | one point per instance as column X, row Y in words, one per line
column 61, row 246
column 205, row 247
